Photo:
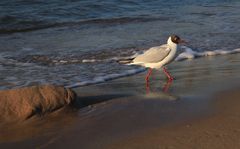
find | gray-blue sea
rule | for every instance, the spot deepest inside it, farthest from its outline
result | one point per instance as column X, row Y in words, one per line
column 67, row 41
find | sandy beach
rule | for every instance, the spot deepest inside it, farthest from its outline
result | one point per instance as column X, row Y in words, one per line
column 68, row 77
column 197, row 110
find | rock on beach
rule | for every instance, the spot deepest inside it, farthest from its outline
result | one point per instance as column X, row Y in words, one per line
column 23, row 103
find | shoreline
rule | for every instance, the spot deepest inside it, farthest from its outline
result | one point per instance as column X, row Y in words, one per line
column 121, row 114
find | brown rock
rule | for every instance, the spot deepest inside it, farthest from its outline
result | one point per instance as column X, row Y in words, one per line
column 23, row 103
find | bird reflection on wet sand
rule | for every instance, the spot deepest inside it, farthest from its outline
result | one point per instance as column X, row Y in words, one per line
column 165, row 87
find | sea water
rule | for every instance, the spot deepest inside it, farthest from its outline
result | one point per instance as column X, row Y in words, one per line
column 75, row 43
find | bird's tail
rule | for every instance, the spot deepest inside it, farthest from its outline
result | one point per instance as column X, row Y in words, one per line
column 126, row 60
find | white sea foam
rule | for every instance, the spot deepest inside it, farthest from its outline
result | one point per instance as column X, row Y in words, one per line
column 191, row 54
column 27, row 49
column 5, row 61
column 106, row 78
column 89, row 60
column 108, row 59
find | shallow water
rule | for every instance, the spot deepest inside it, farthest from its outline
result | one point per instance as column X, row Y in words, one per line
column 64, row 42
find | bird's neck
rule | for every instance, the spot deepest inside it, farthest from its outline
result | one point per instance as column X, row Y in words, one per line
column 173, row 46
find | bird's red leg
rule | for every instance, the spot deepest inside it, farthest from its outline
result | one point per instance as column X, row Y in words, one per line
column 147, row 87
column 167, row 85
column 148, row 74
column 167, row 73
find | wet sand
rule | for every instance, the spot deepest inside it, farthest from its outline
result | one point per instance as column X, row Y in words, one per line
column 218, row 131
column 197, row 110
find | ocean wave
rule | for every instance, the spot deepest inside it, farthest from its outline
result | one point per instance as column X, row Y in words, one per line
column 11, row 24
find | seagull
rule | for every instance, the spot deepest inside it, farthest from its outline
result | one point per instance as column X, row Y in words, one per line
column 159, row 56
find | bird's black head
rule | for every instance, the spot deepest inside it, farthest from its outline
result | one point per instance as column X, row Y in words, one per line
column 176, row 39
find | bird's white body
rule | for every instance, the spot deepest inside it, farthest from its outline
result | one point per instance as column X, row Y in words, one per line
column 158, row 56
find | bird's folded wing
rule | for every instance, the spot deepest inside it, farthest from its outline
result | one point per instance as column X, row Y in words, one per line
column 154, row 54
